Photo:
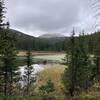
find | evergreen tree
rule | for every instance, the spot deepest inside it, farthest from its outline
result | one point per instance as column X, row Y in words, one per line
column 84, row 66
column 7, row 54
column 78, row 73
column 48, row 88
column 1, row 13
column 97, row 59
column 1, row 23
column 9, row 62
column 29, row 77
column 69, row 75
column 1, row 39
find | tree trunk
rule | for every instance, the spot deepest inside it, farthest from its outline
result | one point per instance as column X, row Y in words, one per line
column 5, row 81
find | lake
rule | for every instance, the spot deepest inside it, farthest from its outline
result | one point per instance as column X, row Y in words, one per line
column 39, row 59
column 56, row 58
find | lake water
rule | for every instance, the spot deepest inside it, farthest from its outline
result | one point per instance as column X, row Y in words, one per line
column 36, row 68
column 57, row 58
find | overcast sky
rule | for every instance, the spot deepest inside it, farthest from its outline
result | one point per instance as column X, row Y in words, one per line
column 36, row 17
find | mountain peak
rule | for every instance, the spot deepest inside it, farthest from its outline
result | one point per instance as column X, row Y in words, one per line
column 52, row 35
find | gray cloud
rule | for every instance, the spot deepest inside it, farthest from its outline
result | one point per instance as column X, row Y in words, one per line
column 39, row 16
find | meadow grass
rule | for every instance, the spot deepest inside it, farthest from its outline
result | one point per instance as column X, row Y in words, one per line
column 53, row 73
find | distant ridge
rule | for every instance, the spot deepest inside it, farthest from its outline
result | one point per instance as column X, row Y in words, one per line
column 20, row 34
column 48, row 35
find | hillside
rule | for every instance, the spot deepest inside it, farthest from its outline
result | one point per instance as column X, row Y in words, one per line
column 19, row 35
column 25, row 41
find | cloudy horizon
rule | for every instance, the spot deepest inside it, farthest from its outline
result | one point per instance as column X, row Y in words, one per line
column 36, row 17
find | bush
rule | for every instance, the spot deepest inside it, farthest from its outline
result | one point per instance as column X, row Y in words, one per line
column 48, row 88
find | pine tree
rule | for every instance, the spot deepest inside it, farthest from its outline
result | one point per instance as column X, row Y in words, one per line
column 1, row 39
column 1, row 13
column 48, row 88
column 69, row 75
column 9, row 62
column 84, row 63
column 78, row 73
column 29, row 77
column 7, row 54
column 1, row 23
column 97, row 60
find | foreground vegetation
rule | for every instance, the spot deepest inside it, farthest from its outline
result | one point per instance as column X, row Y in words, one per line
column 54, row 74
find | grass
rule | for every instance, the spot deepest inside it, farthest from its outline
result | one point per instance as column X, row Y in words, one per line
column 54, row 74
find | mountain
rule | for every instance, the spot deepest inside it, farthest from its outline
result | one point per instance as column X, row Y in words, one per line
column 50, row 42
column 55, row 35
column 51, row 38
column 20, row 34
column 24, row 41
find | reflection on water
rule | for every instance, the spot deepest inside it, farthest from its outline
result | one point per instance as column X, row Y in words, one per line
column 36, row 68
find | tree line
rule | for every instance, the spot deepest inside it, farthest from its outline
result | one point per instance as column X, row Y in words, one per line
column 51, row 44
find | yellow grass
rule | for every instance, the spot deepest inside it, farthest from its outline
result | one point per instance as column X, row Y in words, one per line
column 54, row 74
